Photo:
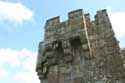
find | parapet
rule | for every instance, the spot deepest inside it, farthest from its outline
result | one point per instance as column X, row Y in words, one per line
column 87, row 17
column 102, row 17
column 75, row 14
column 101, row 13
column 75, row 17
column 52, row 22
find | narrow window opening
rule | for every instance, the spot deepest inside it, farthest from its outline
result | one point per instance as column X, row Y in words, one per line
column 58, row 49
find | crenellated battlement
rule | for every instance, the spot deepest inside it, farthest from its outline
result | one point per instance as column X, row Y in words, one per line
column 101, row 13
column 72, row 16
column 75, row 14
column 102, row 17
column 87, row 17
column 52, row 22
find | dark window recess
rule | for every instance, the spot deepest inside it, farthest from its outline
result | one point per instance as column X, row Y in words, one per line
column 75, row 42
column 58, row 50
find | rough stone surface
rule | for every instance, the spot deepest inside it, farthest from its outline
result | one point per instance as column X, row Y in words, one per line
column 80, row 50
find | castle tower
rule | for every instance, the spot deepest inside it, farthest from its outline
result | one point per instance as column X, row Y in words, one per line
column 80, row 50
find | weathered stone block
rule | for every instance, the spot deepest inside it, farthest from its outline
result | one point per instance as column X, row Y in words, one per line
column 51, row 61
column 68, row 58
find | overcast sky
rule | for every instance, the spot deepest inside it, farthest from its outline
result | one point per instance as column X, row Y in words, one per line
column 22, row 27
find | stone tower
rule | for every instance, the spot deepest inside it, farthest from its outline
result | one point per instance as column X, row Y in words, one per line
column 80, row 50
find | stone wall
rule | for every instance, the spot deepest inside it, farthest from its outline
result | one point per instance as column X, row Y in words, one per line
column 123, row 53
column 80, row 50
